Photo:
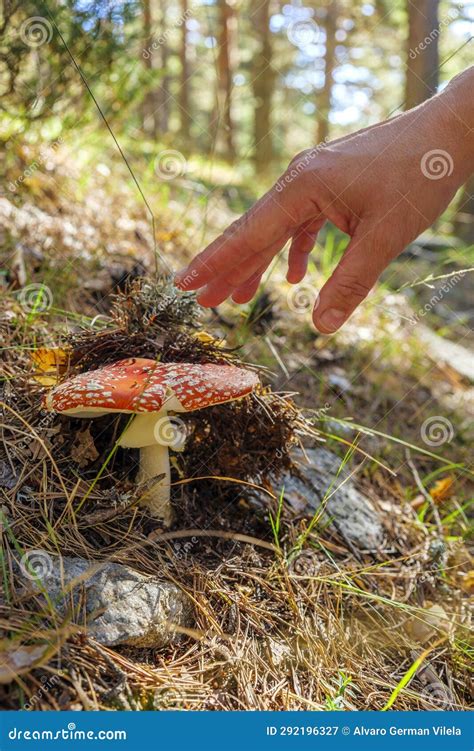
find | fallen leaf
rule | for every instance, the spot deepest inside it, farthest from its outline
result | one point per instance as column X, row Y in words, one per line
column 83, row 450
column 468, row 582
column 50, row 364
column 164, row 236
column 203, row 336
column 441, row 490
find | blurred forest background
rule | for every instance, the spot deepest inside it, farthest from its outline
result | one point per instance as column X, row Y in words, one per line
column 248, row 83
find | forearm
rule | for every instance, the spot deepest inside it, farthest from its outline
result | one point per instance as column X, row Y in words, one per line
column 453, row 112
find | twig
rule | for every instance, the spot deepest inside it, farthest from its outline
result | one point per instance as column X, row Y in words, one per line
column 236, row 536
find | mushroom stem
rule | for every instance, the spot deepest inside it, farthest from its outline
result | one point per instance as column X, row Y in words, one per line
column 154, row 460
column 153, row 433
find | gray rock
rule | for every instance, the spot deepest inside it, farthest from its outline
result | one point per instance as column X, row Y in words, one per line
column 339, row 382
column 339, row 428
column 117, row 605
column 347, row 511
column 277, row 653
column 455, row 355
column 8, row 479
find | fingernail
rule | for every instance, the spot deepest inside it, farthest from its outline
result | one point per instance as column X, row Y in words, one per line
column 332, row 319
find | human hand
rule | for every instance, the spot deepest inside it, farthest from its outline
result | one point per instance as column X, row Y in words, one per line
column 382, row 186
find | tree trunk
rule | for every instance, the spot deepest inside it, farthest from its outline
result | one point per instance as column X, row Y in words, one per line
column 224, row 70
column 164, row 88
column 263, row 85
column 150, row 123
column 324, row 98
column 422, row 56
column 155, row 58
column 464, row 220
column 185, row 115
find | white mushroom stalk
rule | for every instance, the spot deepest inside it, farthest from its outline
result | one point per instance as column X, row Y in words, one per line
column 154, row 434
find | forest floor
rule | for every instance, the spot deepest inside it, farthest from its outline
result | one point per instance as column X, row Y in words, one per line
column 358, row 629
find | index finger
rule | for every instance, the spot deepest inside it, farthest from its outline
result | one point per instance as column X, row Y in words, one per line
column 270, row 219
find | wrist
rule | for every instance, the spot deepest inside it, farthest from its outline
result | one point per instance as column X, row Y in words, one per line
column 452, row 113
column 459, row 97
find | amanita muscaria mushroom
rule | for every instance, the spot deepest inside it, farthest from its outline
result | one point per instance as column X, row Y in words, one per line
column 149, row 390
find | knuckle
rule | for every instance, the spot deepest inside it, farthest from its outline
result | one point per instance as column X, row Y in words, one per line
column 297, row 168
column 235, row 227
column 240, row 234
column 352, row 287
column 210, row 265
column 246, row 246
column 303, row 157
column 204, row 262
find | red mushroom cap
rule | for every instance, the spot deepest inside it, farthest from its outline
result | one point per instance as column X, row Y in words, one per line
column 141, row 385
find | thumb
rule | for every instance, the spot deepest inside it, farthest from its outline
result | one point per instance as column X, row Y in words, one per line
column 351, row 281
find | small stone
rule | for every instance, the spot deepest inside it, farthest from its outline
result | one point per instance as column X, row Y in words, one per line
column 8, row 479
column 432, row 622
column 15, row 660
column 458, row 357
column 118, row 605
column 279, row 653
column 339, row 382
